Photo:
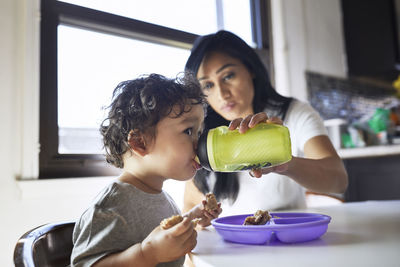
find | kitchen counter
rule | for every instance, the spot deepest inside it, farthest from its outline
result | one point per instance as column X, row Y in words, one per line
column 335, row 129
column 359, row 234
column 369, row 151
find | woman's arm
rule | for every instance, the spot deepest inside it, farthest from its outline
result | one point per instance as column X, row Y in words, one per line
column 321, row 170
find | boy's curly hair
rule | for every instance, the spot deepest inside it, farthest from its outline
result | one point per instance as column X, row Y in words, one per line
column 140, row 104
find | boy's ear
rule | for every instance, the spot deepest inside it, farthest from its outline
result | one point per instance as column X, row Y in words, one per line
column 137, row 142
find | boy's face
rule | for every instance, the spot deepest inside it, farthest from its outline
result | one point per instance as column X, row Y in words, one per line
column 173, row 149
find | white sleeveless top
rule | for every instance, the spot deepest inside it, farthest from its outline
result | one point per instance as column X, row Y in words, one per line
column 274, row 191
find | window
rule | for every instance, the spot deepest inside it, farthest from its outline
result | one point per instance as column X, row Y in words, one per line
column 88, row 47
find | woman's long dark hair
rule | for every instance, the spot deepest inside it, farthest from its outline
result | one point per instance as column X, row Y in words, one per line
column 265, row 98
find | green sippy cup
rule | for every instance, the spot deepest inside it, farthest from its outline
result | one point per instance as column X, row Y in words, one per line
column 265, row 145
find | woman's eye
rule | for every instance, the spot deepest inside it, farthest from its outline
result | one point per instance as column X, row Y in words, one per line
column 207, row 86
column 188, row 131
column 229, row 76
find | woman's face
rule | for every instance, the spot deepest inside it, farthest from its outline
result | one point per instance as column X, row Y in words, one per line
column 227, row 84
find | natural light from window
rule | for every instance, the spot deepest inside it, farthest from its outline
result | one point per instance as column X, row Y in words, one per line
column 91, row 64
column 88, row 71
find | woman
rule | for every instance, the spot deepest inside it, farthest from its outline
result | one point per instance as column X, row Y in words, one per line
column 236, row 85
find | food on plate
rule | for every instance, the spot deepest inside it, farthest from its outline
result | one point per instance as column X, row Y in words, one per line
column 171, row 221
column 261, row 217
column 212, row 203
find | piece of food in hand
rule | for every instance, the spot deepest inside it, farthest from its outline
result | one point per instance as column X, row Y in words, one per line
column 175, row 219
column 212, row 203
column 261, row 217
column 195, row 221
column 171, row 221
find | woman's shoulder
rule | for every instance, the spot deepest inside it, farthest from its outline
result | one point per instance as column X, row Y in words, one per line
column 300, row 109
column 301, row 115
column 297, row 105
column 304, row 120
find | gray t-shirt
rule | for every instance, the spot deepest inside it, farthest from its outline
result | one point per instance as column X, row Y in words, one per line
column 120, row 217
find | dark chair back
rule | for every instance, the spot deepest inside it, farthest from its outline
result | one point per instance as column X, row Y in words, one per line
column 47, row 245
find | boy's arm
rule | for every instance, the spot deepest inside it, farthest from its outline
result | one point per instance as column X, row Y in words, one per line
column 194, row 205
column 159, row 246
column 132, row 256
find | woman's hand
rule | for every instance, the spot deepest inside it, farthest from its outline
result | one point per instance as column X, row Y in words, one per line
column 279, row 169
column 249, row 122
column 252, row 120
column 199, row 212
column 170, row 244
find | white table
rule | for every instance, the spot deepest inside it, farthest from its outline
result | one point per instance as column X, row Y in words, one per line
column 359, row 234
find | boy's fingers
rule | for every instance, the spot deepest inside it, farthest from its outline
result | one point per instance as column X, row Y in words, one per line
column 188, row 234
column 208, row 215
column 181, row 227
column 216, row 212
column 189, row 243
column 212, row 214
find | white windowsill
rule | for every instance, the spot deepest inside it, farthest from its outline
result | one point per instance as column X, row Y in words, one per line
column 85, row 187
column 67, row 187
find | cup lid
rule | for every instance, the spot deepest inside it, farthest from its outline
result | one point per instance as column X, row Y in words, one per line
column 202, row 151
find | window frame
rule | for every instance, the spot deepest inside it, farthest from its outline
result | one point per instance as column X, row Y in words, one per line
column 53, row 12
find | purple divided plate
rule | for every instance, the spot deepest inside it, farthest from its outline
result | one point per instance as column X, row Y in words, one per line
column 287, row 227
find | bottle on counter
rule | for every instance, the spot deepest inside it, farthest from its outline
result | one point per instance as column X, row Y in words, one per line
column 265, row 145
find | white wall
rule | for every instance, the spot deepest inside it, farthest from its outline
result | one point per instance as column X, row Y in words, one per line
column 24, row 205
column 29, row 203
column 308, row 41
column 307, row 35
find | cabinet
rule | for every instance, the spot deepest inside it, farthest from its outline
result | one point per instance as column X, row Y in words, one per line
column 371, row 38
column 373, row 178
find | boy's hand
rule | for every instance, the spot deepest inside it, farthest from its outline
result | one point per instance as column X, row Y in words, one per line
column 249, row 122
column 170, row 244
column 205, row 216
